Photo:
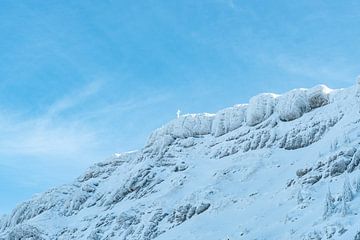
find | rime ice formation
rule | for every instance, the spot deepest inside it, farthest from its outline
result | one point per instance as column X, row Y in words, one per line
column 281, row 167
column 318, row 96
column 190, row 125
column 260, row 108
column 293, row 105
column 228, row 120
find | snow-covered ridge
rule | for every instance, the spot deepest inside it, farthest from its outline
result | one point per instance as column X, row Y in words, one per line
column 288, row 107
column 183, row 127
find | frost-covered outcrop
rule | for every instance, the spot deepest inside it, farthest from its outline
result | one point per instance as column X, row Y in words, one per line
column 280, row 154
column 289, row 106
column 185, row 126
column 229, row 119
column 318, row 96
column 190, row 125
column 293, row 105
column 260, row 108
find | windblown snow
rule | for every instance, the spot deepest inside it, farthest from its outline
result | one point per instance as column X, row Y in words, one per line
column 281, row 167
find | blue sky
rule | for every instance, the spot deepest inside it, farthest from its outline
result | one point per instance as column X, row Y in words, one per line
column 80, row 80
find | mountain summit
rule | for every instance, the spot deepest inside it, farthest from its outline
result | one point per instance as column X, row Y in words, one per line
column 280, row 167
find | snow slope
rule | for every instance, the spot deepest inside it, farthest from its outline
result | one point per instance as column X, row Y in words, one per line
column 281, row 167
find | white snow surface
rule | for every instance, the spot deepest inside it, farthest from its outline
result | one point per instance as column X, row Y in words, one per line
column 281, row 167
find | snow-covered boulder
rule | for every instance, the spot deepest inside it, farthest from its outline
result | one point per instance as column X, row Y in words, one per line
column 229, row 119
column 189, row 125
column 318, row 96
column 292, row 105
column 260, row 108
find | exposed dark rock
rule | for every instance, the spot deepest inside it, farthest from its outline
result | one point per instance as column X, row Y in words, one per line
column 312, row 179
column 202, row 208
column 338, row 168
column 302, row 172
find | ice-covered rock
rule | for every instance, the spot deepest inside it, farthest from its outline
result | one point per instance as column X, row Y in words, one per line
column 293, row 104
column 318, row 96
column 189, row 125
column 185, row 126
column 229, row 119
column 260, row 108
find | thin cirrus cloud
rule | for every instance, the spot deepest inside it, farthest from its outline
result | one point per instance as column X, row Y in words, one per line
column 41, row 137
column 56, row 133
column 75, row 98
column 48, row 134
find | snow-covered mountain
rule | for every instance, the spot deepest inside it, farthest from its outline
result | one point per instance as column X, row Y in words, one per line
column 281, row 167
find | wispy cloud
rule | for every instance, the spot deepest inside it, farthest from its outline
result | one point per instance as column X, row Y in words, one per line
column 53, row 133
column 75, row 98
column 35, row 138
column 129, row 105
column 48, row 134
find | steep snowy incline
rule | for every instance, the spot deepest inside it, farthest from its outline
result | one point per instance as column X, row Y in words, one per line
column 281, row 167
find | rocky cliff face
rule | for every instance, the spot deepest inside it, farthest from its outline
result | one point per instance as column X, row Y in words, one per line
column 281, row 167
